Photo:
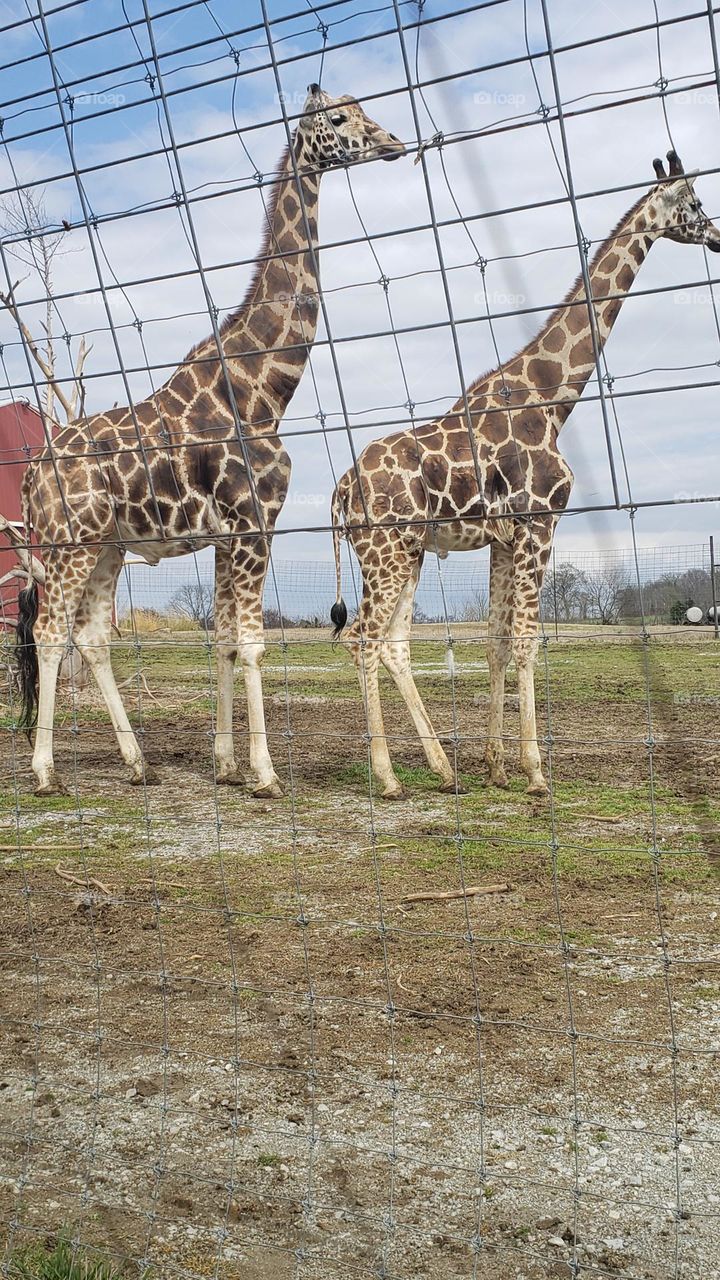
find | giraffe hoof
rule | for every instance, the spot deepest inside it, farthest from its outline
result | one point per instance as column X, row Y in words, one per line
column 271, row 791
column 499, row 778
column 53, row 787
column 393, row 793
column 149, row 778
column 539, row 789
column 453, row 788
column 233, row 779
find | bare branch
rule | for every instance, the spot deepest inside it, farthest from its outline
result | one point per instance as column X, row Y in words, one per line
column 77, row 399
column 470, row 890
column 23, row 213
column 16, row 572
column 7, row 300
column 29, row 562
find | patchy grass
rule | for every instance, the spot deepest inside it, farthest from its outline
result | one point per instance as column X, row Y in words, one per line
column 602, row 671
column 602, row 668
column 65, row 1261
column 416, row 779
column 179, row 665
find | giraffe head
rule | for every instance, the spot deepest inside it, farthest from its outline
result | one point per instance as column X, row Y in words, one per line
column 336, row 131
column 676, row 211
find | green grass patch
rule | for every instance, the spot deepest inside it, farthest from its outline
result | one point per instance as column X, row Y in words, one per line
column 63, row 1261
column 601, row 671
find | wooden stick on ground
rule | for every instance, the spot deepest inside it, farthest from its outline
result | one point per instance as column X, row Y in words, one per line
column 98, row 884
column 39, row 848
column 471, row 891
column 133, row 678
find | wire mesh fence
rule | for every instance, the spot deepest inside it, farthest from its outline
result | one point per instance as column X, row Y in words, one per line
column 586, row 586
column 259, row 1020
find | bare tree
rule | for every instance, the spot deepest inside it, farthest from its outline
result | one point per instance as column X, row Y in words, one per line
column 604, row 591
column 24, row 218
column 477, row 608
column 195, row 602
column 562, row 592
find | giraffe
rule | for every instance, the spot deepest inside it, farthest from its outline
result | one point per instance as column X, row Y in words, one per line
column 500, row 479
column 171, row 474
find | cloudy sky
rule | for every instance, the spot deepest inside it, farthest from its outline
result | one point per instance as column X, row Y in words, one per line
column 615, row 126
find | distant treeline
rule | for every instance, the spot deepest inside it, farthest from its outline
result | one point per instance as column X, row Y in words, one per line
column 610, row 593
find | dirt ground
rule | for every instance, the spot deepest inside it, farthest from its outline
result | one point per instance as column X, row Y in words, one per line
column 231, row 1047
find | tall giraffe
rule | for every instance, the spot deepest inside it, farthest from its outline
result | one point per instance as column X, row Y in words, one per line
column 416, row 491
column 170, row 474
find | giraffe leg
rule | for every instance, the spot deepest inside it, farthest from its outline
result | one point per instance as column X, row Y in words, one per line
column 249, row 569
column 395, row 656
column 366, row 656
column 91, row 635
column 499, row 650
column 66, row 575
column 381, row 590
column 531, row 550
column 226, row 644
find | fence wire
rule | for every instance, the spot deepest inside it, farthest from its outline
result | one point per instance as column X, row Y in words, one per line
column 307, row 1032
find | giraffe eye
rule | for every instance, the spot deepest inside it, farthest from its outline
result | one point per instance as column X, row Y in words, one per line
column 337, row 120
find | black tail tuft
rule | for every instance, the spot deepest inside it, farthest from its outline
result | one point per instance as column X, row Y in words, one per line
column 338, row 617
column 26, row 655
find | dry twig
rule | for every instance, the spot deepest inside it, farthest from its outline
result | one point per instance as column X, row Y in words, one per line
column 89, row 880
column 470, row 891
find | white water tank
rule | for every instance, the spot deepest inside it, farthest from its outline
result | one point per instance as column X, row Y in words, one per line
column 694, row 615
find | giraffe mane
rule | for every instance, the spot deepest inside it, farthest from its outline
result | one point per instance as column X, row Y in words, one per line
column 603, row 248
column 260, row 262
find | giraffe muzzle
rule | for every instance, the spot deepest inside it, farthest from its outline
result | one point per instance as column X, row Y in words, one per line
column 393, row 149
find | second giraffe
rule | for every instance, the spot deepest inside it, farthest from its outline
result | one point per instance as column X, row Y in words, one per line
column 498, row 478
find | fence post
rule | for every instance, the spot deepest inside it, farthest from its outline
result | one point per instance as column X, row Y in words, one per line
column 555, row 593
column 716, row 622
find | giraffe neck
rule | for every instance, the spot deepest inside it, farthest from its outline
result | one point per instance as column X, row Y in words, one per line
column 557, row 364
column 612, row 273
column 267, row 341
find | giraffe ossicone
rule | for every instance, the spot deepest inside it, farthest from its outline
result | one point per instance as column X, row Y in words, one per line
column 198, row 463
column 496, row 477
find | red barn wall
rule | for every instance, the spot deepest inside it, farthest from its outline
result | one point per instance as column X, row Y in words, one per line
column 22, row 435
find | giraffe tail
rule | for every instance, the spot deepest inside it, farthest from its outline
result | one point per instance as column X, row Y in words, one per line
column 338, row 613
column 26, row 659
